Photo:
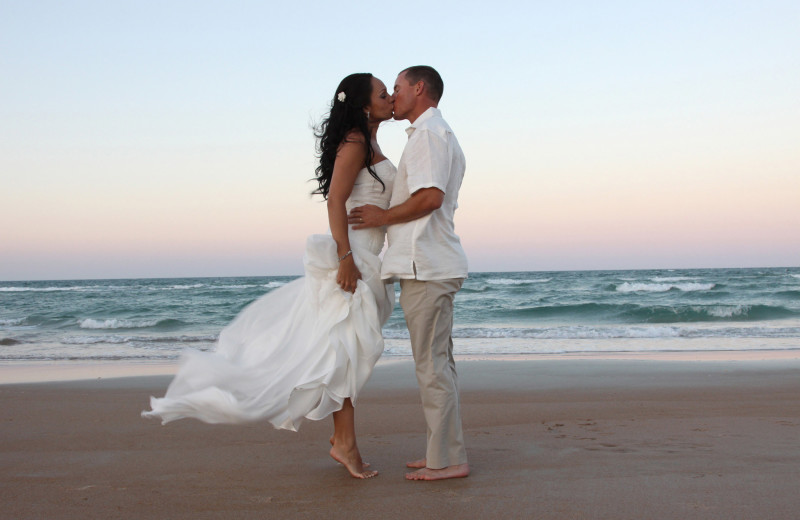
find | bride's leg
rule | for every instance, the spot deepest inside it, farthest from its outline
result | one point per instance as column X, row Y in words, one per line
column 345, row 449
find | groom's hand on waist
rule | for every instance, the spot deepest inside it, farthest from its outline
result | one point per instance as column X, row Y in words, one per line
column 422, row 202
column 368, row 216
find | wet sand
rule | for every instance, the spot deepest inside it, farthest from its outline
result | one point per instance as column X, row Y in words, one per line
column 547, row 438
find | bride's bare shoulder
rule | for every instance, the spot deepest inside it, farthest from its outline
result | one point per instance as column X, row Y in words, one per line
column 354, row 136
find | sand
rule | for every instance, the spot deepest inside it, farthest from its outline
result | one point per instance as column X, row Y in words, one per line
column 547, row 438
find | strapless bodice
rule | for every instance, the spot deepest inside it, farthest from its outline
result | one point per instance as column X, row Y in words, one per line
column 367, row 190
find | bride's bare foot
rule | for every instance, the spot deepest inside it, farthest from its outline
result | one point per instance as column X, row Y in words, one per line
column 457, row 471
column 351, row 459
column 421, row 463
column 363, row 463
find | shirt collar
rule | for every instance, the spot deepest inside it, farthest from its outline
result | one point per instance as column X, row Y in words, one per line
column 431, row 112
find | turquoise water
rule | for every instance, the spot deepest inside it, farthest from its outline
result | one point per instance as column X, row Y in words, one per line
column 496, row 313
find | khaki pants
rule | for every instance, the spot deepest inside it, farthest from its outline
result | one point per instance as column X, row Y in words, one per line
column 428, row 309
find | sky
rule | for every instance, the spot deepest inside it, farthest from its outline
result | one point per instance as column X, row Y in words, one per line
column 174, row 138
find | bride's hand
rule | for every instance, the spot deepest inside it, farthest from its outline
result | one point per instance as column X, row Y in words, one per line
column 348, row 275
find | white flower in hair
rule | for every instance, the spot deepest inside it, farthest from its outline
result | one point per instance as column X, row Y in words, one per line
column 341, row 96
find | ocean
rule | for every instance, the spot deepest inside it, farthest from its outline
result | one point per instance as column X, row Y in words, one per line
column 682, row 310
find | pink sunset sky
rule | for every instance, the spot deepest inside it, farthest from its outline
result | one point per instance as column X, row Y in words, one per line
column 155, row 140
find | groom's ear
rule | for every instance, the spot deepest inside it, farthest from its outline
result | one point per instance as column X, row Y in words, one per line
column 419, row 87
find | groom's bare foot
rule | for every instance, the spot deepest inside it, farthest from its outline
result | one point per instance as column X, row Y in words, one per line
column 457, row 471
column 351, row 459
column 421, row 463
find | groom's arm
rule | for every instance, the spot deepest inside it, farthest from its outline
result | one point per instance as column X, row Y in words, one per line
column 421, row 203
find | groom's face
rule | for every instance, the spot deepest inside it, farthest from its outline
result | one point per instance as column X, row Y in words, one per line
column 404, row 97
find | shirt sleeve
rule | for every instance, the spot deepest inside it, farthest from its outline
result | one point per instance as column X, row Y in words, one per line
column 427, row 159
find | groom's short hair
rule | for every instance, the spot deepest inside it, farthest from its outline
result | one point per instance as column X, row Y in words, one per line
column 428, row 75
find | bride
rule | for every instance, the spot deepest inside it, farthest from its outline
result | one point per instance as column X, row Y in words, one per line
column 305, row 350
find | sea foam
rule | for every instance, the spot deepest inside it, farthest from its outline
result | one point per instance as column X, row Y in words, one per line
column 115, row 323
column 185, row 287
column 513, row 281
column 628, row 287
column 576, row 332
column 11, row 322
column 274, row 285
column 38, row 289
column 111, row 339
column 728, row 311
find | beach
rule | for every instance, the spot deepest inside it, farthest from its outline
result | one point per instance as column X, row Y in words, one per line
column 629, row 436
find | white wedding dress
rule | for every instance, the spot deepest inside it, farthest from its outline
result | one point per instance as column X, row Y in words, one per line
column 297, row 352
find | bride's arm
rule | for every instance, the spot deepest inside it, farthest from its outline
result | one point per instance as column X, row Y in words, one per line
column 349, row 161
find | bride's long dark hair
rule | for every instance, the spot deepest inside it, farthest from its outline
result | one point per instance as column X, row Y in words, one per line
column 347, row 114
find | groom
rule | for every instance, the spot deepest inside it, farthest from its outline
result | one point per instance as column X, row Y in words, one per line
column 425, row 254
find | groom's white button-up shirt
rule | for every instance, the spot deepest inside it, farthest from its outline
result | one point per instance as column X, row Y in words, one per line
column 427, row 248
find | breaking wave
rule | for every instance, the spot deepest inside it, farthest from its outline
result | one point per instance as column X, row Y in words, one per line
column 629, row 287
column 117, row 323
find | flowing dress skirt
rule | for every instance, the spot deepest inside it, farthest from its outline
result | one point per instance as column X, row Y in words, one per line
column 295, row 353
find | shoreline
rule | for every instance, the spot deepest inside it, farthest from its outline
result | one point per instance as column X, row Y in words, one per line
column 20, row 372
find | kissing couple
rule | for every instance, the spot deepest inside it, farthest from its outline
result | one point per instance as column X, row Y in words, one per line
column 306, row 349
